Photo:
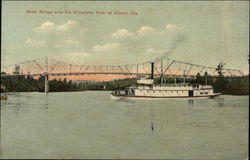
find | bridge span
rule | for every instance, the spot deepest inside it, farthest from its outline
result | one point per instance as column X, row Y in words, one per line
column 163, row 67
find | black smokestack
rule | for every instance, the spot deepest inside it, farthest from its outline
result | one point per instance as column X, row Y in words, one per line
column 152, row 70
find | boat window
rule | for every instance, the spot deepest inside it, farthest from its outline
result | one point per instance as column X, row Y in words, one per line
column 206, row 92
column 201, row 93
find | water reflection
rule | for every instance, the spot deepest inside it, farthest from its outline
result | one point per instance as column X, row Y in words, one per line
column 124, row 128
column 191, row 102
column 220, row 104
column 125, row 100
column 152, row 126
column 24, row 102
column 128, row 103
column 201, row 125
column 45, row 108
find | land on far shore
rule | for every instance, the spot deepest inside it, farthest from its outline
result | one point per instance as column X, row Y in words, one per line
column 225, row 85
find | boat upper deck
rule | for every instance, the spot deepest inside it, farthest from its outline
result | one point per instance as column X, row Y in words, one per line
column 144, row 83
column 174, row 86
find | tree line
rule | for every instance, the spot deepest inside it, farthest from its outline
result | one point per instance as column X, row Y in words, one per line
column 225, row 85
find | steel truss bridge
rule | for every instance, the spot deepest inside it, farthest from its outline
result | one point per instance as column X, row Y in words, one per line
column 162, row 67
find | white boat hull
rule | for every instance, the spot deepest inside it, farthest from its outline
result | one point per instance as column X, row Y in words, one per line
column 146, row 89
column 169, row 97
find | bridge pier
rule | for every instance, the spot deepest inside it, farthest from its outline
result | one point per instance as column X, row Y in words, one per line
column 46, row 84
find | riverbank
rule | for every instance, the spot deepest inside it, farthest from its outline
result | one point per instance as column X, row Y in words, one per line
column 224, row 85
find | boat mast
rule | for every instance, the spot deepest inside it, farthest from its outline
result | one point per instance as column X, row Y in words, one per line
column 161, row 72
column 206, row 78
column 184, row 77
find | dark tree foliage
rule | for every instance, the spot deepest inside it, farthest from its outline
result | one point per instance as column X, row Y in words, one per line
column 29, row 84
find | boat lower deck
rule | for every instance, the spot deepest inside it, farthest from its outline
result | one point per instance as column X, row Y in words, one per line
column 114, row 96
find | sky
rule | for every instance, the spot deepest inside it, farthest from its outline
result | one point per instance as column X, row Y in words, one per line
column 203, row 32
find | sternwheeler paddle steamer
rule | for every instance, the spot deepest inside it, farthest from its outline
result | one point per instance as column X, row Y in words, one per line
column 148, row 90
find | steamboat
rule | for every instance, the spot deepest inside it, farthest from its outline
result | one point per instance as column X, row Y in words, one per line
column 147, row 89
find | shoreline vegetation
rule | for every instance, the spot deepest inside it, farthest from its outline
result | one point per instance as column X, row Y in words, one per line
column 224, row 85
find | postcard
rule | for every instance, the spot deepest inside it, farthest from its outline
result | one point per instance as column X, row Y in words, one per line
column 125, row 80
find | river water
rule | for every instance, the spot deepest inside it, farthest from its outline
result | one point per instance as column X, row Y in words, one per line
column 90, row 124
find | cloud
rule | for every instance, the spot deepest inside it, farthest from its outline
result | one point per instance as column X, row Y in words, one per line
column 144, row 30
column 80, row 54
column 155, row 51
column 34, row 42
column 147, row 30
column 121, row 33
column 123, row 46
column 46, row 26
column 57, row 37
column 107, row 47
column 170, row 27
column 107, row 54
column 51, row 26
column 145, row 43
column 64, row 27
